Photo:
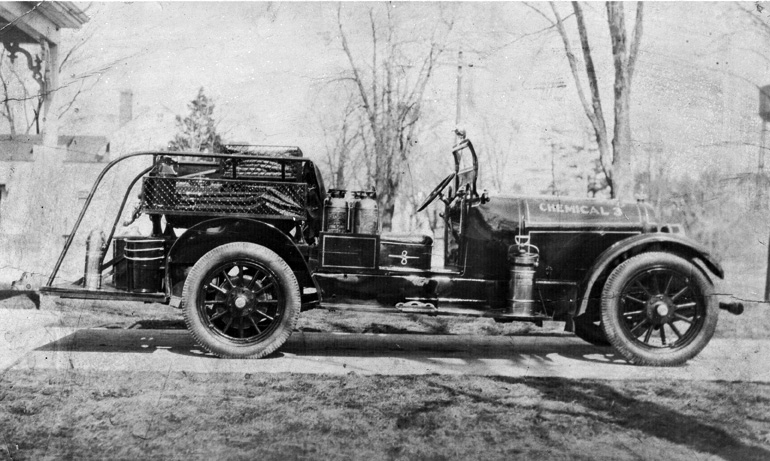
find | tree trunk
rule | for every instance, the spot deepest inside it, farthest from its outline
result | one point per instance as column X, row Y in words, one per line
column 622, row 147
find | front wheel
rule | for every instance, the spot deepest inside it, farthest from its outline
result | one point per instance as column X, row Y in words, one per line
column 241, row 300
column 658, row 309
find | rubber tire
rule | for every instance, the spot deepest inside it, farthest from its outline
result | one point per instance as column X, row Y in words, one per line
column 590, row 332
column 287, row 284
column 630, row 349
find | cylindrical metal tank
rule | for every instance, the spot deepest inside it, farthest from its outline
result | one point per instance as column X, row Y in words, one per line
column 93, row 272
column 521, row 284
column 145, row 264
column 366, row 213
column 336, row 212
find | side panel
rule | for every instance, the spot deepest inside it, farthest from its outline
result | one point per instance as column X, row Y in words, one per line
column 388, row 290
column 568, row 255
column 204, row 237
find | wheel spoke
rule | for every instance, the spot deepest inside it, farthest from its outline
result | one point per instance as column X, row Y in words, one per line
column 255, row 324
column 227, row 277
column 663, row 334
column 262, row 290
column 218, row 315
column 685, row 305
column 637, row 326
column 218, row 288
column 682, row 318
column 680, row 293
column 229, row 322
column 668, row 284
column 675, row 330
column 648, row 334
column 644, row 289
column 633, row 313
column 240, row 328
column 241, row 276
column 655, row 283
column 636, row 300
column 254, row 279
column 264, row 315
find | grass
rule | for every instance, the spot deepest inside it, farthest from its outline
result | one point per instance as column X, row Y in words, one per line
column 133, row 415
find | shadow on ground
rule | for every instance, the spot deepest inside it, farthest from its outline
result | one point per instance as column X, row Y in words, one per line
column 537, row 347
column 33, row 296
column 615, row 407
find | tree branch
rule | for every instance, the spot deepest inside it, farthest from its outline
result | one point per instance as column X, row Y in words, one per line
column 354, row 68
column 573, row 68
column 636, row 38
column 593, row 82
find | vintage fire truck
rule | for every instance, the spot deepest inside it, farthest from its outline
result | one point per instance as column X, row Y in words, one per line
column 245, row 240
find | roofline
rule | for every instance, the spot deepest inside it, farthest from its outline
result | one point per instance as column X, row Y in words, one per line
column 64, row 14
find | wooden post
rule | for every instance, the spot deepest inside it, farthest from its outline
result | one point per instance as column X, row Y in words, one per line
column 761, row 184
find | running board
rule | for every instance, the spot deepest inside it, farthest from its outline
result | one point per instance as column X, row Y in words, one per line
column 416, row 307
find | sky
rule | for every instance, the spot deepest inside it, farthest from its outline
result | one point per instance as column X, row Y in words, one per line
column 694, row 98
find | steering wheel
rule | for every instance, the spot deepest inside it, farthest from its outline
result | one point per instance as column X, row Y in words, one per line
column 436, row 192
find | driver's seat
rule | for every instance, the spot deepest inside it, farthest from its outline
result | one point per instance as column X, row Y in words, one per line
column 406, row 252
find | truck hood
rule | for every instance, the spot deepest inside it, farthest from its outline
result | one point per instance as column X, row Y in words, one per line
column 508, row 213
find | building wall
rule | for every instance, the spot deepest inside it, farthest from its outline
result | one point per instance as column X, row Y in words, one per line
column 42, row 200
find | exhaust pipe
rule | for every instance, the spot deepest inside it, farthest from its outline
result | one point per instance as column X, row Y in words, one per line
column 733, row 308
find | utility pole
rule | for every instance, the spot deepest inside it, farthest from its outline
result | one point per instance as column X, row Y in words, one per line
column 459, row 112
column 764, row 112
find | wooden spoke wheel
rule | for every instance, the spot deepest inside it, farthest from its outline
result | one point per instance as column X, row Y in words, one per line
column 658, row 309
column 241, row 300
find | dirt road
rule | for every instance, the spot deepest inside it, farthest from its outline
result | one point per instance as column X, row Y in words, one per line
column 29, row 342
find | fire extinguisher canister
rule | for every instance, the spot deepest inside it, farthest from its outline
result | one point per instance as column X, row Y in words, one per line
column 94, row 253
column 521, row 289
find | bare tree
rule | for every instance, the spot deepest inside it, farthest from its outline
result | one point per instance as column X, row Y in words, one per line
column 498, row 153
column 342, row 139
column 616, row 155
column 390, row 93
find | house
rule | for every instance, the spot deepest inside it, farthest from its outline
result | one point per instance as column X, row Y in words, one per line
column 33, row 167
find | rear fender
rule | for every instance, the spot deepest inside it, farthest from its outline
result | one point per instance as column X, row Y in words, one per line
column 205, row 236
column 625, row 249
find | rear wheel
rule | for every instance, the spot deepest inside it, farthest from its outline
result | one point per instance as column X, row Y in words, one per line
column 658, row 309
column 241, row 300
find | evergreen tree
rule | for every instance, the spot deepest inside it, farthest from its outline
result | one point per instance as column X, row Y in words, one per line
column 197, row 131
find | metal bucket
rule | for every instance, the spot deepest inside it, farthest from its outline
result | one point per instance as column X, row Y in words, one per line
column 144, row 257
column 336, row 212
column 366, row 218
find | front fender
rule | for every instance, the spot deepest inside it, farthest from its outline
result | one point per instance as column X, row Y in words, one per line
column 632, row 246
column 207, row 235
